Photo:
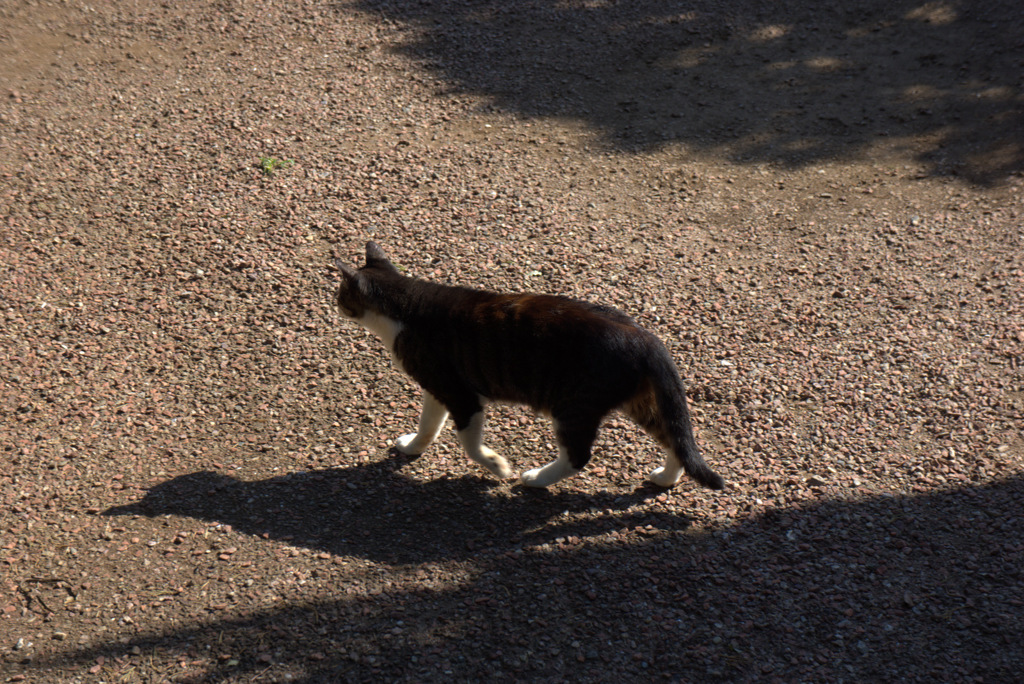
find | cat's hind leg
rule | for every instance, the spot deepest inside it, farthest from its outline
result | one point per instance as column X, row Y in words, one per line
column 431, row 421
column 669, row 473
column 574, row 442
column 644, row 411
column 470, row 434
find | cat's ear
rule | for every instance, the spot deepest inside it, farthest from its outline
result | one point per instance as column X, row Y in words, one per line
column 373, row 251
column 347, row 271
column 375, row 257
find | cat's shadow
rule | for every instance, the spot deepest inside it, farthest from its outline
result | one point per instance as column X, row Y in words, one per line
column 374, row 511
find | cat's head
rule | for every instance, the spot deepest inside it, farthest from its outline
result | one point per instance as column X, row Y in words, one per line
column 358, row 291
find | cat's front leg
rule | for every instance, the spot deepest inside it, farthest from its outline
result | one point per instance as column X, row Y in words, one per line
column 431, row 421
column 471, row 438
column 575, row 437
column 553, row 472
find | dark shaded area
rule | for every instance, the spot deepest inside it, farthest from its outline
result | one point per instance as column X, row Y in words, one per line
column 374, row 512
column 756, row 81
column 942, row 601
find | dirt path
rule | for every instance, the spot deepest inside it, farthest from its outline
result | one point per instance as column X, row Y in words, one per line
column 819, row 210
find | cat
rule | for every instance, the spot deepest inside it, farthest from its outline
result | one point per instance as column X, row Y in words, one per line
column 571, row 360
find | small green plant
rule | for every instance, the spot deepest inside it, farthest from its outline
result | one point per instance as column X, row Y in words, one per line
column 272, row 164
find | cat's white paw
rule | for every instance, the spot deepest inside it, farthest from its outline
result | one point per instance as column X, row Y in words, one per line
column 664, row 478
column 534, row 478
column 495, row 463
column 548, row 475
column 408, row 445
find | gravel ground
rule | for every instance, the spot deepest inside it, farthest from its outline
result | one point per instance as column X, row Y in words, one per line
column 818, row 208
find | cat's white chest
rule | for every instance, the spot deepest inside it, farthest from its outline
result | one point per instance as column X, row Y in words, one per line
column 386, row 329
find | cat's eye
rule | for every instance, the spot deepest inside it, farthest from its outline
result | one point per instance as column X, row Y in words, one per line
column 346, row 311
column 340, row 304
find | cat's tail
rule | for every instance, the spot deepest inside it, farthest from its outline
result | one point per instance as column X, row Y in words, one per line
column 675, row 427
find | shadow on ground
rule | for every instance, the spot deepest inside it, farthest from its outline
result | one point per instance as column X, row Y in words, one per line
column 373, row 511
column 820, row 593
column 787, row 83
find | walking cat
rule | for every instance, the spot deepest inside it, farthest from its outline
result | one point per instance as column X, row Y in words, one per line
column 574, row 361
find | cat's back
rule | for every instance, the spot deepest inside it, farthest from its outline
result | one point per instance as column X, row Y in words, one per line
column 529, row 329
column 461, row 309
